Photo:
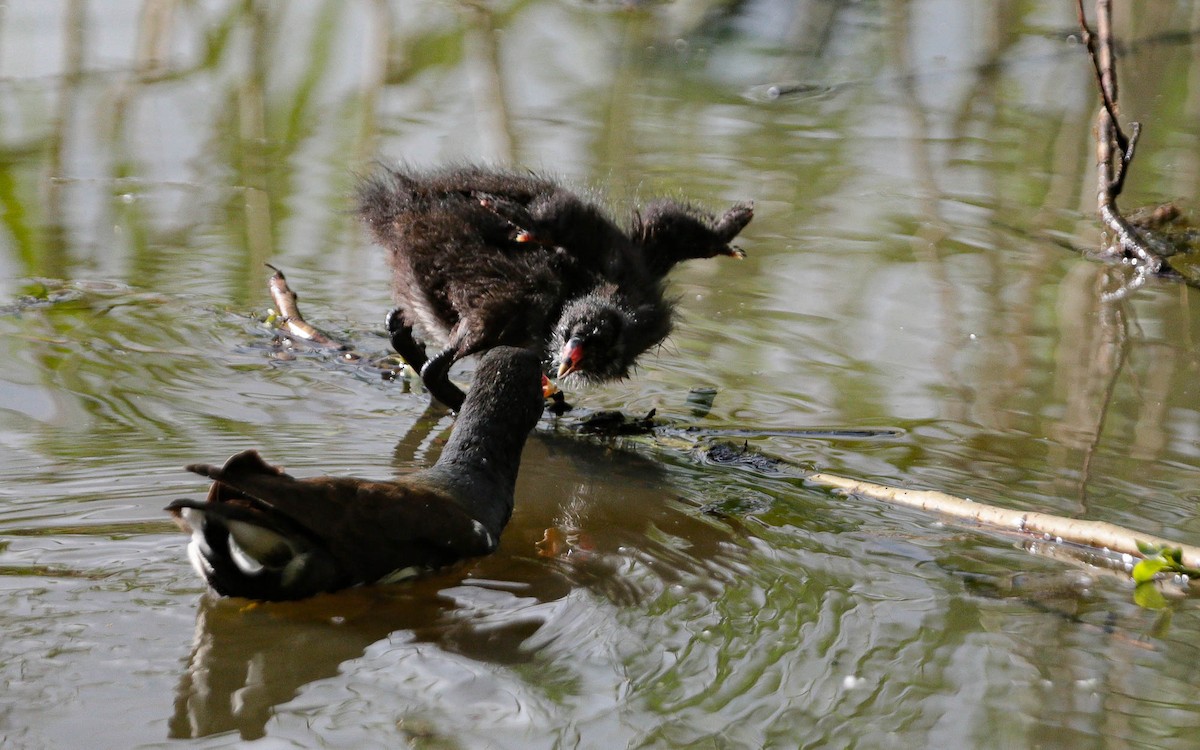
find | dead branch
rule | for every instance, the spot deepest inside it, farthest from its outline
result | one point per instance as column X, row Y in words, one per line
column 1114, row 150
column 290, row 318
column 1098, row 534
column 1106, row 80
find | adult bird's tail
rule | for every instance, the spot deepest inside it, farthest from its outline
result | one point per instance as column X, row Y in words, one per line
column 244, row 546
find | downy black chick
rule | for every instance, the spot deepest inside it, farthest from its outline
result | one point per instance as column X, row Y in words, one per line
column 483, row 257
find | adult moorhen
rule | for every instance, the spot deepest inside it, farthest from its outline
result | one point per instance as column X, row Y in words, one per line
column 263, row 534
column 484, row 257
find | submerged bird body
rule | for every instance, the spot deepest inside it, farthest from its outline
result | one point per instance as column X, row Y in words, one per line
column 484, row 257
column 263, row 534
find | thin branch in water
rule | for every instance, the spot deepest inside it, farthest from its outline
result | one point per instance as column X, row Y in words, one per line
column 290, row 318
column 1129, row 286
column 1097, row 534
column 1114, row 151
column 1106, row 83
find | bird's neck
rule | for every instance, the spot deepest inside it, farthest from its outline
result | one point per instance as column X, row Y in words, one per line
column 481, row 458
column 485, row 444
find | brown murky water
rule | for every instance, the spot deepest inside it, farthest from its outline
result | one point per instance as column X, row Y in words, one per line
column 923, row 178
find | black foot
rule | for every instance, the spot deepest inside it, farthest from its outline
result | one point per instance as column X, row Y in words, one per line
column 403, row 342
column 436, row 376
column 558, row 404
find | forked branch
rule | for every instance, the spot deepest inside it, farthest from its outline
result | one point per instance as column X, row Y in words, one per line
column 1114, row 149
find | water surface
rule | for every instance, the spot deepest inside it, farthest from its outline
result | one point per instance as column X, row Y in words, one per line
column 924, row 189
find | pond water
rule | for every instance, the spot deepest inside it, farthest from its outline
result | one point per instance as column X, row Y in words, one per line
column 924, row 186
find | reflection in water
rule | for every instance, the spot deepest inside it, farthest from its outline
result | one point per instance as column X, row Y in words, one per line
column 55, row 238
column 248, row 658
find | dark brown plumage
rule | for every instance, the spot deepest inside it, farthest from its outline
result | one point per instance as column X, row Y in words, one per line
column 668, row 233
column 263, row 534
column 485, row 257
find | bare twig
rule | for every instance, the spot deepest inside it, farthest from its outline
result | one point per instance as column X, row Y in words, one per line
column 1114, row 150
column 1106, row 80
column 1096, row 534
column 289, row 312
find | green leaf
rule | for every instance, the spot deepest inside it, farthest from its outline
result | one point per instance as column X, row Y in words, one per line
column 1148, row 596
column 1175, row 555
column 1146, row 548
column 1145, row 570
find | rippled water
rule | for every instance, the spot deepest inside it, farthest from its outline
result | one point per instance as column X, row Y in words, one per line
column 923, row 180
